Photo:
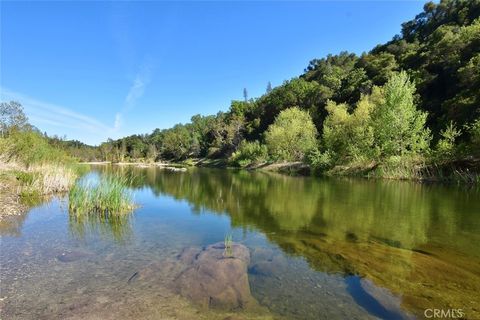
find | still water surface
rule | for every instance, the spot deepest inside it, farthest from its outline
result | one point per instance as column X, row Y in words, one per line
column 319, row 249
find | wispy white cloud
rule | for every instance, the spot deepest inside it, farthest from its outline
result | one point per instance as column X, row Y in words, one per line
column 135, row 92
column 118, row 121
column 137, row 89
column 40, row 112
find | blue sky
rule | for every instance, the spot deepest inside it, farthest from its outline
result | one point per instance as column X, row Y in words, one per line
column 93, row 70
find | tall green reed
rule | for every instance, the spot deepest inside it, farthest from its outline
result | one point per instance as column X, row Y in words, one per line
column 110, row 195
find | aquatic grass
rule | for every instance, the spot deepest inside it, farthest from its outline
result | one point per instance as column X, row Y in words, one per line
column 466, row 177
column 109, row 196
column 228, row 242
column 107, row 225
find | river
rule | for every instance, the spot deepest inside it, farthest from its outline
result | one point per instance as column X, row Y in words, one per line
column 319, row 249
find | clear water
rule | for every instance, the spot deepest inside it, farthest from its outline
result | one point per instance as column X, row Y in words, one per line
column 320, row 249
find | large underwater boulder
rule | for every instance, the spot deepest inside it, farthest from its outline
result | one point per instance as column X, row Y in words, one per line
column 215, row 277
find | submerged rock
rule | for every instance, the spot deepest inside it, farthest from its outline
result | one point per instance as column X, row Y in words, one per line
column 216, row 279
column 267, row 263
column 73, row 255
column 175, row 169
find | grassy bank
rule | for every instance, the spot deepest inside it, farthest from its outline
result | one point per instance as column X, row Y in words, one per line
column 22, row 187
column 466, row 171
column 30, row 167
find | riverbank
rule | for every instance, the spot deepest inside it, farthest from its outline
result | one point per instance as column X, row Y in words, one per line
column 22, row 187
column 163, row 165
column 291, row 168
column 10, row 201
column 457, row 171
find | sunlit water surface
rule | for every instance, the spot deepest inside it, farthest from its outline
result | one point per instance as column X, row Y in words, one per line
column 319, row 248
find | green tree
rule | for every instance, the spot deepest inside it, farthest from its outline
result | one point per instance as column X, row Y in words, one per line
column 269, row 87
column 292, row 135
column 123, row 150
column 306, row 95
column 379, row 67
column 177, row 142
column 399, row 128
column 228, row 131
column 12, row 117
column 152, row 152
column 350, row 136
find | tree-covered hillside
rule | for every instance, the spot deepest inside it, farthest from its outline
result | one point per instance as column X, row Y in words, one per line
column 426, row 80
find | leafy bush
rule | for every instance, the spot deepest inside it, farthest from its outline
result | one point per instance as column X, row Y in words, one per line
column 291, row 136
column 350, row 136
column 30, row 147
column 248, row 153
column 385, row 128
column 446, row 148
column 320, row 161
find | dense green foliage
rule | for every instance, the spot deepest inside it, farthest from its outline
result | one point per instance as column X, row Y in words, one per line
column 30, row 147
column 22, row 143
column 384, row 124
column 291, row 136
column 249, row 153
column 415, row 97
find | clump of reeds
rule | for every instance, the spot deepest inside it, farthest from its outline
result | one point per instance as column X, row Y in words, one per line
column 43, row 180
column 55, row 178
column 109, row 196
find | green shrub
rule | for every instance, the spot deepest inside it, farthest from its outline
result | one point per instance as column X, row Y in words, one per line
column 446, row 147
column 249, row 153
column 320, row 161
column 291, row 136
column 30, row 147
column 349, row 135
column 384, row 131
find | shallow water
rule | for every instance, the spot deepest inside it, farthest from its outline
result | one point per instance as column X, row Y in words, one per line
column 319, row 249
